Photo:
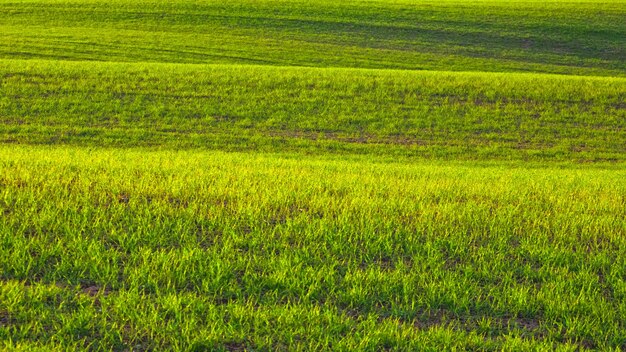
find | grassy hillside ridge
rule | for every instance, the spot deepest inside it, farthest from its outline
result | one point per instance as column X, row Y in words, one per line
column 555, row 36
column 442, row 114
column 144, row 249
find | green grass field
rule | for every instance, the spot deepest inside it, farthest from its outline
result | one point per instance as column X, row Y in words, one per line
column 548, row 36
column 312, row 175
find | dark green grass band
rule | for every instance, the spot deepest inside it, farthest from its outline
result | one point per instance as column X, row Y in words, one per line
column 382, row 112
column 587, row 38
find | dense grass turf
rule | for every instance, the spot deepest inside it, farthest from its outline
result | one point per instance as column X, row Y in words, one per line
column 114, row 249
column 424, row 114
column 306, row 175
column 547, row 36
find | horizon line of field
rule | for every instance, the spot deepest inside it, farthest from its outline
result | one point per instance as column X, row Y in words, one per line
column 287, row 156
column 399, row 70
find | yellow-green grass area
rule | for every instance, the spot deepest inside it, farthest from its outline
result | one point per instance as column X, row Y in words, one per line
column 568, row 37
column 190, row 250
column 427, row 114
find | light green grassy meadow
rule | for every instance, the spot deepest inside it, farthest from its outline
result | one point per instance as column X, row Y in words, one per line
column 170, row 249
column 312, row 175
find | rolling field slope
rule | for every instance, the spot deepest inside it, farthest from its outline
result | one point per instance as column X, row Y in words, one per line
column 549, row 36
column 379, row 112
column 312, row 175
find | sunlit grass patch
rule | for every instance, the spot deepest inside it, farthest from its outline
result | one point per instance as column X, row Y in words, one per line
column 230, row 250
